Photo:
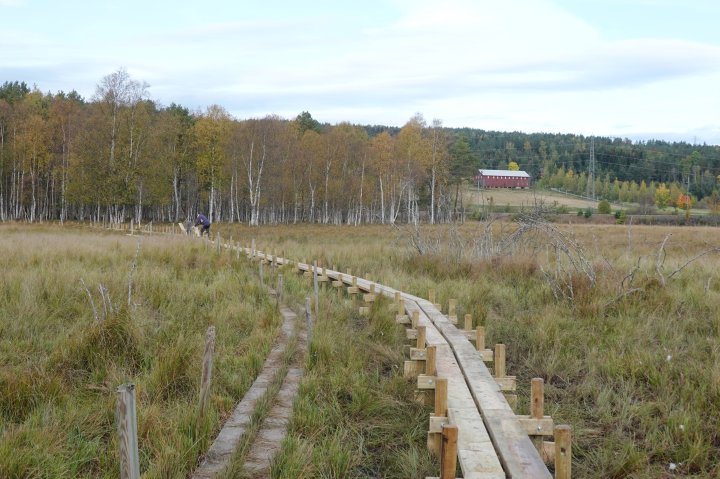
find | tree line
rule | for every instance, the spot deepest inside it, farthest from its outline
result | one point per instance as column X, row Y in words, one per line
column 120, row 155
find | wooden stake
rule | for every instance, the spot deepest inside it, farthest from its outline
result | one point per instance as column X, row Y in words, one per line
column 207, row 369
column 431, row 296
column 279, row 290
column 430, row 361
column 499, row 360
column 448, row 455
column 468, row 322
column 537, row 398
column 126, row 418
column 451, row 307
column 563, row 452
column 441, row 396
column 415, row 319
column 308, row 318
column 315, row 287
column 421, row 337
column 480, row 338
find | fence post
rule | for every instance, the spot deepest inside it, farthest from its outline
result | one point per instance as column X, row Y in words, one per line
column 127, row 428
column 308, row 318
column 315, row 287
column 448, row 454
column 421, row 334
column 499, row 360
column 480, row 338
column 431, row 361
column 207, row 369
column 279, row 291
column 563, row 452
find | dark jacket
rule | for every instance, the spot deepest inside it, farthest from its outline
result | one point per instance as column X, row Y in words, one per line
column 202, row 220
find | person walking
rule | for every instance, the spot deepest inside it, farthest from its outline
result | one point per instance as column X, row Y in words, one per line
column 205, row 222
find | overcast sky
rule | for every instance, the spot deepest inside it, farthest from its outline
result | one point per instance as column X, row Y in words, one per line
column 630, row 68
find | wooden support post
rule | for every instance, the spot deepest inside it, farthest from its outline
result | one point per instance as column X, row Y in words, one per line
column 537, row 411
column 126, row 418
column 563, row 452
column 431, row 296
column 452, row 303
column 397, row 303
column 421, row 337
column 537, row 398
column 441, row 397
column 315, row 287
column 400, row 316
column 279, row 290
column 480, row 338
column 448, row 455
column 415, row 319
column 353, row 290
column 499, row 360
column 434, row 440
column 308, row 319
column 431, row 361
column 206, row 370
column 468, row 322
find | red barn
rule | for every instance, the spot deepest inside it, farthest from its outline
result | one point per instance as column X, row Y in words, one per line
column 502, row 179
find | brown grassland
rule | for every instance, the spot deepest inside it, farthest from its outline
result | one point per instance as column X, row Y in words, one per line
column 631, row 361
column 629, row 353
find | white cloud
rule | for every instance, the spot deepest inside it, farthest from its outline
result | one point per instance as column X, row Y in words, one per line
column 517, row 64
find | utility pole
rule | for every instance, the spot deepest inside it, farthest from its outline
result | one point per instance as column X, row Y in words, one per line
column 591, row 170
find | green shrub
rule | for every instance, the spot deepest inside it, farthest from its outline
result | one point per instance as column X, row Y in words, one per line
column 620, row 217
column 604, row 207
column 587, row 213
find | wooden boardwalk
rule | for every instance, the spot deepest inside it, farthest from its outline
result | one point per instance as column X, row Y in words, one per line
column 492, row 443
column 492, row 440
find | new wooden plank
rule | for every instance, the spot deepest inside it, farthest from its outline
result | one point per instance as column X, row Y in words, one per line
column 478, row 459
column 515, row 449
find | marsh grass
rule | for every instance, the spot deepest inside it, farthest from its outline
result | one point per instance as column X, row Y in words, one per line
column 61, row 367
column 355, row 415
column 637, row 376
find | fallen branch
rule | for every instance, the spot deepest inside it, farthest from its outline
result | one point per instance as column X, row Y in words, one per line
column 691, row 260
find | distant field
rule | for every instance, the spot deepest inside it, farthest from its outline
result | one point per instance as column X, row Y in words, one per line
column 504, row 196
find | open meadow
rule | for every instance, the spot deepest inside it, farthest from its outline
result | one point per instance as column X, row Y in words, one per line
column 83, row 311
column 527, row 198
column 622, row 323
column 623, row 327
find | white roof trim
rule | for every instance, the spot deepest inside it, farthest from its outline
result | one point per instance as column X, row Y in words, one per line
column 519, row 174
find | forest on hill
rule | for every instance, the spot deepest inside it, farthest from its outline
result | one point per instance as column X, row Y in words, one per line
column 120, row 155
